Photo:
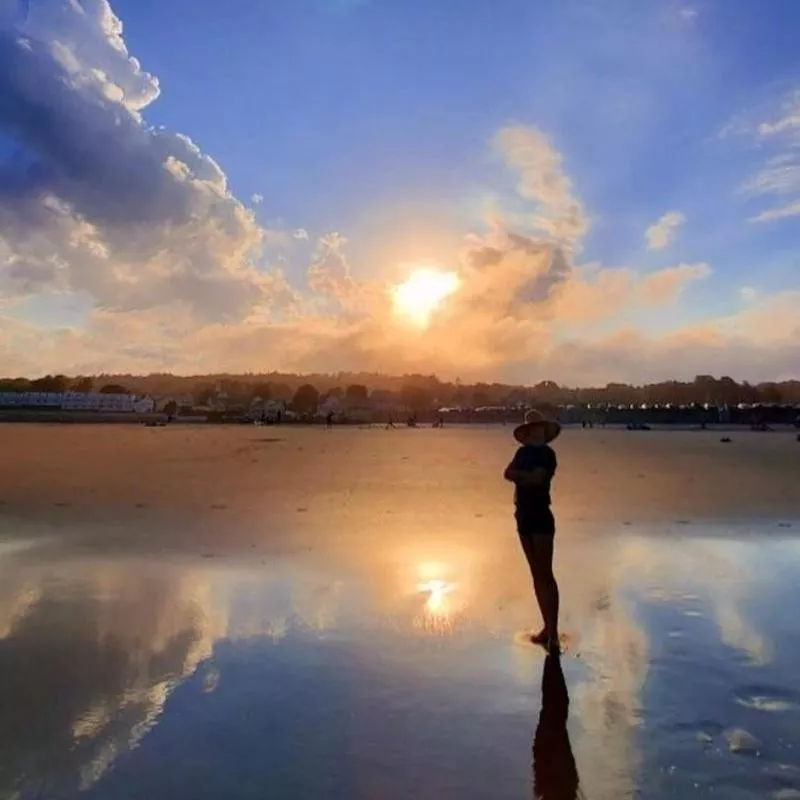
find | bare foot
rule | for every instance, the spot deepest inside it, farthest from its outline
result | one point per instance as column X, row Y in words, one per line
column 541, row 638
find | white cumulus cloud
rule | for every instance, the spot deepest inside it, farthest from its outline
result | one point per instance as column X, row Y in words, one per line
column 98, row 201
column 542, row 180
column 662, row 232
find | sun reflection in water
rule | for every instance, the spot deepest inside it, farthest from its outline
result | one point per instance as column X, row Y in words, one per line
column 437, row 591
column 437, row 615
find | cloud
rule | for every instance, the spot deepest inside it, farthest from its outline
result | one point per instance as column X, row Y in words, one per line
column 787, row 120
column 791, row 210
column 748, row 293
column 521, row 302
column 139, row 222
column 542, row 180
column 688, row 14
column 95, row 200
column 667, row 284
column 661, row 233
column 779, row 177
column 257, row 199
column 577, row 337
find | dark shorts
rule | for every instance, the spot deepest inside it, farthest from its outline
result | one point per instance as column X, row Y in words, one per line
column 535, row 522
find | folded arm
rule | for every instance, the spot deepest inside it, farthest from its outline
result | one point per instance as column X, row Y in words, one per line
column 525, row 477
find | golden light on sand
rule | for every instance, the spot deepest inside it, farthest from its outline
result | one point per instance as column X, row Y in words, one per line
column 425, row 290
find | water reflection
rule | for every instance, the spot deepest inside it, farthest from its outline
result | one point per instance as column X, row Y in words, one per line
column 86, row 666
column 411, row 659
column 438, row 611
column 555, row 773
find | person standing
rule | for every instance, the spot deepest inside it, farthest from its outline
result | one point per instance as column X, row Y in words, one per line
column 531, row 471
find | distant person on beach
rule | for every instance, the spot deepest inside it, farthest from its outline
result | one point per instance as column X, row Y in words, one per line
column 531, row 471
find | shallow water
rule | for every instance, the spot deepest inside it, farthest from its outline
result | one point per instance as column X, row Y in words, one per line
column 396, row 669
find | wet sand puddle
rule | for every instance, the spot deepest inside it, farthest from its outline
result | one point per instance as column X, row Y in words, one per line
column 396, row 672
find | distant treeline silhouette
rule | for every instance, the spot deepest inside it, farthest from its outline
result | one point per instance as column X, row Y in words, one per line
column 420, row 392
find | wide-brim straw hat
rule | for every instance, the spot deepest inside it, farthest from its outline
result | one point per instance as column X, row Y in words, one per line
column 534, row 418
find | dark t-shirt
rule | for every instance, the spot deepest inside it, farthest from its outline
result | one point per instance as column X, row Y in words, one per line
column 528, row 458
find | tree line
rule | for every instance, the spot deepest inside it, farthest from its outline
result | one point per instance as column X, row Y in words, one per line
column 60, row 384
column 415, row 392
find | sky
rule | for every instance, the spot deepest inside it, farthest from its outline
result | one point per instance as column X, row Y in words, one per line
column 592, row 192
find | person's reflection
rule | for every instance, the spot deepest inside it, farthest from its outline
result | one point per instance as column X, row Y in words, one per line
column 555, row 775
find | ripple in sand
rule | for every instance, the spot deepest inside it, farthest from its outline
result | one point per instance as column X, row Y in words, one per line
column 740, row 741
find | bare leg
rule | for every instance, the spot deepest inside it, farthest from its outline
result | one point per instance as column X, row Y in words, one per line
column 545, row 586
column 539, row 554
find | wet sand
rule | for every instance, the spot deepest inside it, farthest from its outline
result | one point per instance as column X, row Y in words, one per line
column 250, row 612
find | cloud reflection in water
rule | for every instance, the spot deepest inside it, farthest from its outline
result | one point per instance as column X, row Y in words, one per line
column 92, row 652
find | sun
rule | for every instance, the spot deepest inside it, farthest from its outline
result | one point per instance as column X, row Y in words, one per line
column 425, row 290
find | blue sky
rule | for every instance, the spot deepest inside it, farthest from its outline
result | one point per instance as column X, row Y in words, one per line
column 343, row 118
column 376, row 119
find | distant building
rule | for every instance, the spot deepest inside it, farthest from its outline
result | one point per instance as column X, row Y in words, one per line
column 78, row 401
column 30, row 399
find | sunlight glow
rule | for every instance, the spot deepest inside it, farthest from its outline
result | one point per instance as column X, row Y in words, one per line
column 437, row 592
column 425, row 290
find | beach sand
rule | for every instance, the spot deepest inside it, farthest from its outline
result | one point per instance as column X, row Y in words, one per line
column 606, row 476
column 290, row 612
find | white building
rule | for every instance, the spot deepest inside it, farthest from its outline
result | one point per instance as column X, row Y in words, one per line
column 78, row 401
